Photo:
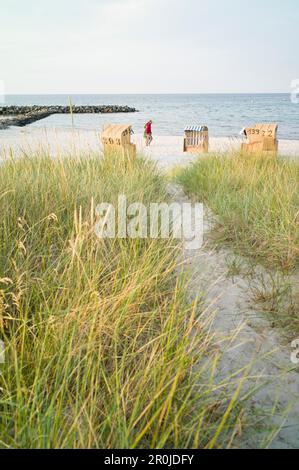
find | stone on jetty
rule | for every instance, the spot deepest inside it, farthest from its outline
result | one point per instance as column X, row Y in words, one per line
column 23, row 115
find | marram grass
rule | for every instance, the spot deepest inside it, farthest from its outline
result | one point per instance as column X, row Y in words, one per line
column 256, row 201
column 102, row 349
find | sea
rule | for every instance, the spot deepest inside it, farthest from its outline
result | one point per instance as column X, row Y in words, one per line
column 224, row 114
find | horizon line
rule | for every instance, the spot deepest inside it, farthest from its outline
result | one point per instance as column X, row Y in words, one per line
column 154, row 94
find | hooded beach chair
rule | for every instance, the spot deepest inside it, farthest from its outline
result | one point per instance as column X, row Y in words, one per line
column 261, row 138
column 196, row 139
column 117, row 138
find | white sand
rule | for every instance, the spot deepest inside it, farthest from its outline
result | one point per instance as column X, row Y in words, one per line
column 167, row 151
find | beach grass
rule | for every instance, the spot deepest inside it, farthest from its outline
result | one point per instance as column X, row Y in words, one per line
column 102, row 349
column 255, row 201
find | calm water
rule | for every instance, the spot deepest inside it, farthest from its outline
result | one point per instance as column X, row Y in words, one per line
column 224, row 114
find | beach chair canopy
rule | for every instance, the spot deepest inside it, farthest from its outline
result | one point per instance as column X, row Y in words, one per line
column 196, row 129
column 258, row 132
column 117, row 134
column 196, row 139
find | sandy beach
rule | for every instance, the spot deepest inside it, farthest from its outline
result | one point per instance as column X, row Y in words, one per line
column 167, row 151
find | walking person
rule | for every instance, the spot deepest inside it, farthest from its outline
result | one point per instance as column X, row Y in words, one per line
column 148, row 133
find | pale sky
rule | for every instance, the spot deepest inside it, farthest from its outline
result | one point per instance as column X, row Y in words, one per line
column 148, row 46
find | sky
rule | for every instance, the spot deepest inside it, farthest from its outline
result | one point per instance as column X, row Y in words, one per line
column 148, row 46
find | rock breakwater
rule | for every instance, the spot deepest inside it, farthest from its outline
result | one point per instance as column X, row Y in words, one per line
column 24, row 115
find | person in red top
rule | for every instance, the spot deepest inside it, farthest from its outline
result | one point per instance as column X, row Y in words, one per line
column 148, row 133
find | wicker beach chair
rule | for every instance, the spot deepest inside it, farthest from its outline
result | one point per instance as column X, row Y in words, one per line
column 196, row 139
column 117, row 138
column 261, row 138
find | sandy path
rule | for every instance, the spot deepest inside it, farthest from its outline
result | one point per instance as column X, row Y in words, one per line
column 245, row 337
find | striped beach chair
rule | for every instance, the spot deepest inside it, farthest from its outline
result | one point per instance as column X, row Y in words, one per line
column 196, row 139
